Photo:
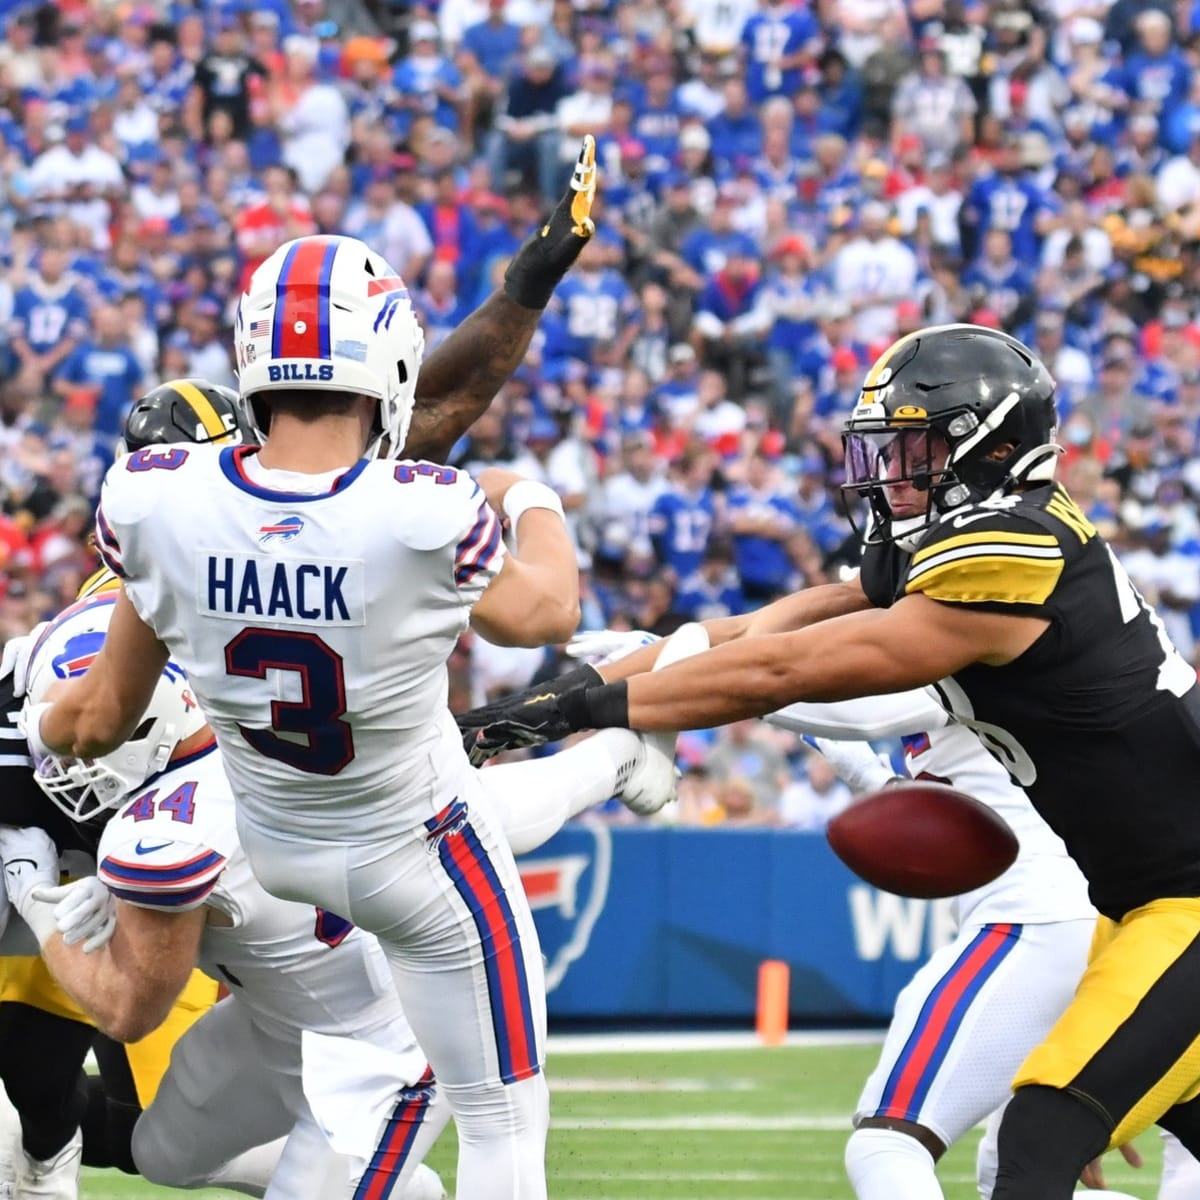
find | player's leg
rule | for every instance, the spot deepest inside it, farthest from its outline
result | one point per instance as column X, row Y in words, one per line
column 1125, row 1051
column 1180, row 1170
column 1181, row 1145
column 961, row 1029
column 227, row 1103
column 535, row 799
column 452, row 918
column 383, row 1159
column 41, row 1065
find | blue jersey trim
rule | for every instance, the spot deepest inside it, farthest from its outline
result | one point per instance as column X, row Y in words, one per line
column 231, row 465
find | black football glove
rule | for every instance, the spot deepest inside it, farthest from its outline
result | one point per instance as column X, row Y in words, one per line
column 546, row 257
column 546, row 717
column 500, row 710
column 540, row 719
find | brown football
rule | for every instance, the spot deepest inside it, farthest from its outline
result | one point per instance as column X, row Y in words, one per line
column 924, row 840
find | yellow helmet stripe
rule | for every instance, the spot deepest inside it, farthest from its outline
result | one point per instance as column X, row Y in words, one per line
column 202, row 407
column 99, row 581
column 880, row 364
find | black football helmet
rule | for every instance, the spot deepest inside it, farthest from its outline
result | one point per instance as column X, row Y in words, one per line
column 934, row 412
column 185, row 410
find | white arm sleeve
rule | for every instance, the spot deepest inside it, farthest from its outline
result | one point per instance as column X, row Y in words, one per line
column 866, row 719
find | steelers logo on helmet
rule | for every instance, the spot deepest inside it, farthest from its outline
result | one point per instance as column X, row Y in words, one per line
column 185, row 410
column 948, row 416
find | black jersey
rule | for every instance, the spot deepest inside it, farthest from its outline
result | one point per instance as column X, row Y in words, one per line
column 1099, row 720
column 22, row 802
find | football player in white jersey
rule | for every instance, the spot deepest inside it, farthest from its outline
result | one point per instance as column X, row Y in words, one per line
column 302, row 981
column 313, row 595
column 966, row 1021
column 971, row 1014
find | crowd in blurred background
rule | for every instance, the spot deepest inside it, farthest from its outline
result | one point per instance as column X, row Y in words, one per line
column 787, row 185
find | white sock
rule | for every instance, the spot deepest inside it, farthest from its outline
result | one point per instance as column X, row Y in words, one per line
column 886, row 1165
column 535, row 799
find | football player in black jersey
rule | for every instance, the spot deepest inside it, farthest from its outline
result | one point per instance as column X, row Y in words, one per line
column 982, row 577
column 44, row 1036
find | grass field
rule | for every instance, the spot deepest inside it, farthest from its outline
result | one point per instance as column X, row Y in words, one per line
column 697, row 1124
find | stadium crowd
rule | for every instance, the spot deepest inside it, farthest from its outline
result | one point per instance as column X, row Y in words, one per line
column 786, row 186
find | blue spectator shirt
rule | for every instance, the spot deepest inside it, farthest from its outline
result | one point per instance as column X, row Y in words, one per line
column 680, row 523
column 700, row 599
column 439, row 320
column 705, row 251
column 1002, row 202
column 1159, row 81
column 418, row 80
column 1005, row 284
column 115, row 371
column 762, row 561
column 495, row 47
column 771, row 34
column 735, row 138
column 658, row 130
column 595, row 306
column 45, row 315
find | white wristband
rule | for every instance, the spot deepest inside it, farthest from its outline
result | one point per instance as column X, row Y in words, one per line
column 32, row 728
column 530, row 494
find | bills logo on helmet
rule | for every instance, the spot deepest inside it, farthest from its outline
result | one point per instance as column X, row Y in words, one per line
column 284, row 530
column 78, row 654
column 567, row 893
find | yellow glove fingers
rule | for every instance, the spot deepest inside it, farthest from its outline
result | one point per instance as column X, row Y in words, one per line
column 583, row 182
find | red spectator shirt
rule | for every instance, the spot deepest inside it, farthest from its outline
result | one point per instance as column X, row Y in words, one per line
column 262, row 220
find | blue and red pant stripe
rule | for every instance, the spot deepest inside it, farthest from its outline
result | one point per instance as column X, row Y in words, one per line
column 474, row 877
column 940, row 1019
column 396, row 1143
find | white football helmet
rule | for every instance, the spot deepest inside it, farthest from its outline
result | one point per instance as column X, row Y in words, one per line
column 82, row 788
column 328, row 314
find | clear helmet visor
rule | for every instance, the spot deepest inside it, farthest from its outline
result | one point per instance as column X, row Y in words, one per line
column 885, row 457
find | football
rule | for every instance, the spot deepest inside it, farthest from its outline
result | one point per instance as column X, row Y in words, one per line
column 923, row 840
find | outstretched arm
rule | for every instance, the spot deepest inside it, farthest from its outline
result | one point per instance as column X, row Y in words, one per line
column 461, row 377
column 915, row 642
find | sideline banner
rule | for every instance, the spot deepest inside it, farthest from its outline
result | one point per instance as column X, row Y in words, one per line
column 668, row 924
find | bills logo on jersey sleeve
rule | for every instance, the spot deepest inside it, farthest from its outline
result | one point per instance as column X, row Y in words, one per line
column 284, row 530
column 567, row 893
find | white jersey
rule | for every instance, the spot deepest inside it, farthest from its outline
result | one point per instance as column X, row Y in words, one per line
column 1044, row 884
column 314, row 625
column 173, row 846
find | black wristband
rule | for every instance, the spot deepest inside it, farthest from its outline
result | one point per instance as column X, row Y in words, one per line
column 604, row 707
column 583, row 676
column 530, row 279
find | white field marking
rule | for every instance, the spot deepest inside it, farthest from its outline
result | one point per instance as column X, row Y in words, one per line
column 678, row 1176
column 654, row 1043
column 572, row 1083
column 713, row 1123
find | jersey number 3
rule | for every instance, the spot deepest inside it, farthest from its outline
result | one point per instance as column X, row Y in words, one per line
column 317, row 717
